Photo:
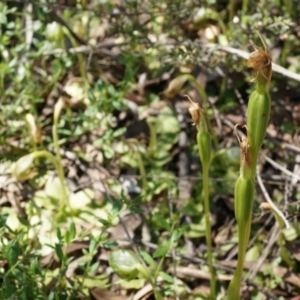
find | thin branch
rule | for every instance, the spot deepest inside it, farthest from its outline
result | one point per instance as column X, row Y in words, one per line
column 269, row 200
column 278, row 167
column 213, row 47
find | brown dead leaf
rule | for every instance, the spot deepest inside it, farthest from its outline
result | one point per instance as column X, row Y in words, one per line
column 131, row 222
column 201, row 289
column 71, row 251
column 192, row 271
column 99, row 294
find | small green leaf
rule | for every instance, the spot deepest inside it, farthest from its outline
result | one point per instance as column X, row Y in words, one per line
column 119, row 132
column 104, row 222
column 176, row 236
column 166, row 277
column 67, row 237
column 69, row 260
column 92, row 247
column 100, row 281
column 162, row 222
column 160, row 252
column 13, row 253
column 94, row 267
column 59, row 252
column 134, row 284
column 85, row 252
column 148, row 259
column 108, row 244
column 17, row 274
column 34, row 266
column 58, row 234
column 3, row 219
column 73, row 230
column 8, row 288
column 24, row 221
column 117, row 205
column 135, row 210
column 70, row 235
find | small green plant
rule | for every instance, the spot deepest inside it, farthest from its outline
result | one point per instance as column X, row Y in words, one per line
column 130, row 266
column 204, row 147
column 127, row 265
column 258, row 117
column 282, row 224
column 23, row 169
column 243, row 202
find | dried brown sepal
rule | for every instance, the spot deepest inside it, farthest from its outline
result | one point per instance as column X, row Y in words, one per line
column 260, row 61
column 245, row 156
column 196, row 111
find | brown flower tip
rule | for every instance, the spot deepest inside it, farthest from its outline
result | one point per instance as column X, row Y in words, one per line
column 195, row 111
column 261, row 62
column 244, row 147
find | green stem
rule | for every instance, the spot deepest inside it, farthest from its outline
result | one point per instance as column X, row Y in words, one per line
column 200, row 90
column 142, row 171
column 148, row 277
column 81, row 60
column 281, row 240
column 59, row 167
column 203, row 95
column 46, row 154
column 244, row 235
column 204, row 145
column 160, row 264
column 152, row 138
column 244, row 191
column 231, row 10
column 244, row 7
column 208, row 231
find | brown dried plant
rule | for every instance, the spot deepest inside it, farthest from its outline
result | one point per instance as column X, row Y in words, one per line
column 196, row 111
column 260, row 61
column 244, row 146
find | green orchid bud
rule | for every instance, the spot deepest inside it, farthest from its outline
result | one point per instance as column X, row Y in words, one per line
column 203, row 135
column 259, row 105
column 125, row 263
column 243, row 200
column 259, row 108
column 204, row 144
